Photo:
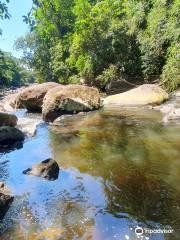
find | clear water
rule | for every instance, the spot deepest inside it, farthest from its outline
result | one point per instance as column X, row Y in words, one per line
column 119, row 170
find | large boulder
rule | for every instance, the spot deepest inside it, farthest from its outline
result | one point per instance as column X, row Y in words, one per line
column 142, row 95
column 32, row 97
column 69, row 99
column 10, row 138
column 8, row 119
column 5, row 200
column 47, row 169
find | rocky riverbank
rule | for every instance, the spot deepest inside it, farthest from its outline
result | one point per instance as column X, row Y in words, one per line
column 68, row 109
column 55, row 100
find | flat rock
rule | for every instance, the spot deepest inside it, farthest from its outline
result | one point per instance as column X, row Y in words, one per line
column 142, row 95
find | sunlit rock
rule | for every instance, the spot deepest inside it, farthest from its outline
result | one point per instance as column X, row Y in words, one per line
column 12, row 102
column 47, row 169
column 69, row 99
column 32, row 97
column 142, row 95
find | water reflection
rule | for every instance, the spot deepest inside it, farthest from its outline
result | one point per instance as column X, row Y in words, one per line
column 117, row 171
column 138, row 162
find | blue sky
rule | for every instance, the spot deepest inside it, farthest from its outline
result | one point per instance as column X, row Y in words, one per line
column 15, row 27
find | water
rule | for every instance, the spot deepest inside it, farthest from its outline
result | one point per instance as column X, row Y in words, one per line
column 119, row 170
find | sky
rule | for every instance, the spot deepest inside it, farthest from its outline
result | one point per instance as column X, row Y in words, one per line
column 15, row 27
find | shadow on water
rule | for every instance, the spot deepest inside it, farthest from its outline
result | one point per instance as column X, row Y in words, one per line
column 118, row 171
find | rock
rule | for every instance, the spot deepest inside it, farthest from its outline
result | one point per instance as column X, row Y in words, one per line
column 68, row 126
column 142, row 95
column 10, row 138
column 47, row 169
column 8, row 119
column 12, row 102
column 49, row 233
column 5, row 200
column 68, row 100
column 32, row 97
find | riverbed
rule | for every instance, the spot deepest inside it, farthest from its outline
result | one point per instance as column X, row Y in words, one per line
column 119, row 172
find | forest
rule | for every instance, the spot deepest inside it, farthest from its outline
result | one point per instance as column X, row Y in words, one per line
column 97, row 41
column 13, row 72
column 89, row 135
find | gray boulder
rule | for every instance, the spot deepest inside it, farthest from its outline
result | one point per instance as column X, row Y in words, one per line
column 10, row 138
column 8, row 119
column 47, row 169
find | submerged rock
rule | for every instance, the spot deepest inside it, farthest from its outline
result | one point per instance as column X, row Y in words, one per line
column 47, row 169
column 5, row 200
column 142, row 95
column 72, row 125
column 10, row 138
column 69, row 99
column 8, row 119
column 32, row 97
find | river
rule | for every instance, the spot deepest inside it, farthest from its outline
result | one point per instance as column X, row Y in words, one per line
column 121, row 171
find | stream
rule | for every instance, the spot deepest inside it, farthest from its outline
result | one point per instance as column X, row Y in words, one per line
column 121, row 171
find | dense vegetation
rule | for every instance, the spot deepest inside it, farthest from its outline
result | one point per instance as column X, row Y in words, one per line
column 12, row 71
column 100, row 40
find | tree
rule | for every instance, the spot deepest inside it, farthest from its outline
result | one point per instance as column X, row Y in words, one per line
column 100, row 40
column 12, row 72
column 4, row 14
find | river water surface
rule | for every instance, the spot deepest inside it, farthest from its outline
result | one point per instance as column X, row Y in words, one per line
column 120, row 170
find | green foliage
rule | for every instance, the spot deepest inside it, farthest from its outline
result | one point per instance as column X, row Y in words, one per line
column 99, row 40
column 108, row 75
column 4, row 10
column 170, row 77
column 4, row 14
column 12, row 72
